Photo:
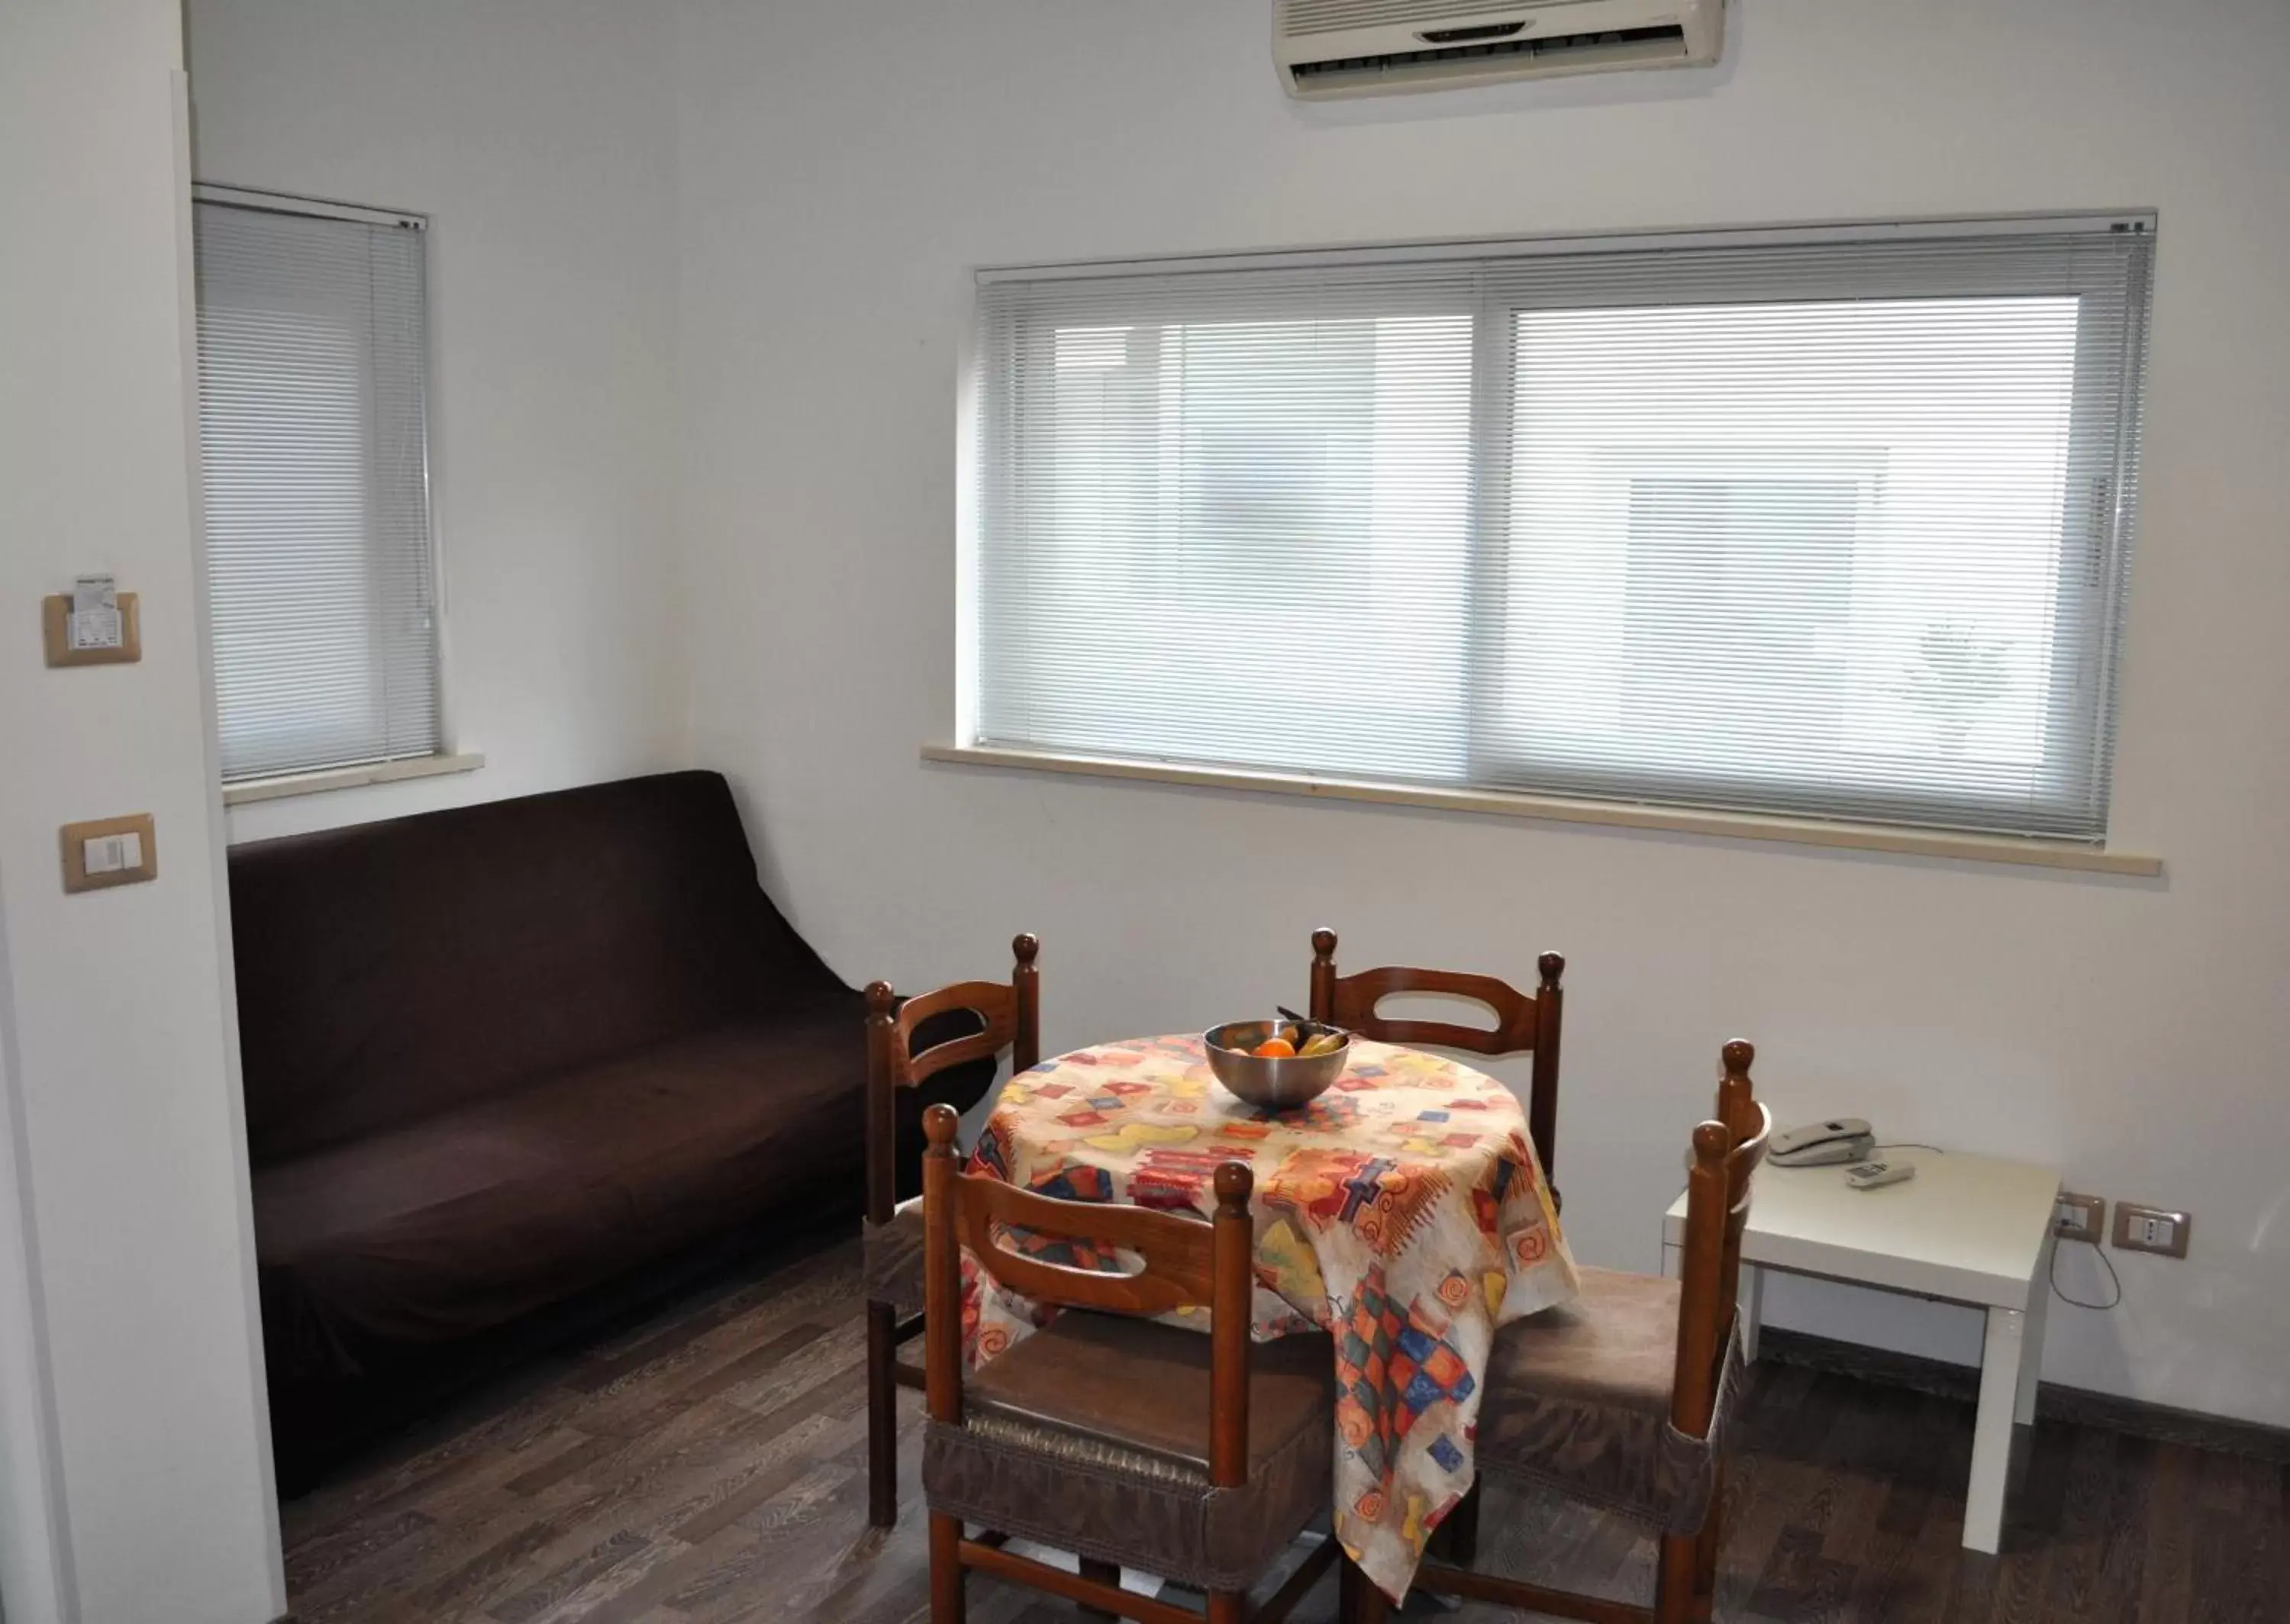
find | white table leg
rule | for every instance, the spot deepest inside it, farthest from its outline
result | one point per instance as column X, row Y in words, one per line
column 2031, row 1345
column 1673, row 1261
column 1991, row 1429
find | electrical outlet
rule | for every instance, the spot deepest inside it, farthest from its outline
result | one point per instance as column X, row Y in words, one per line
column 2154, row 1229
column 2079, row 1218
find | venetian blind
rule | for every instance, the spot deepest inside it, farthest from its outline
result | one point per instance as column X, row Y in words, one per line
column 311, row 423
column 1830, row 523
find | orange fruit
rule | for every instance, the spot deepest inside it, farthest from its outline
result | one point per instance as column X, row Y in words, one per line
column 1274, row 1049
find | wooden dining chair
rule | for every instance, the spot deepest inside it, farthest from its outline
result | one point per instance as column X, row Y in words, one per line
column 943, row 1044
column 1523, row 1022
column 1125, row 1441
column 1621, row 1398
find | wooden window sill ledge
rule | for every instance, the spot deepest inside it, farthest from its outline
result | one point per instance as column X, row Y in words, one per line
column 249, row 790
column 2009, row 850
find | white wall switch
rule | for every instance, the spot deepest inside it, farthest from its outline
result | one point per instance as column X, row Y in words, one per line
column 110, row 852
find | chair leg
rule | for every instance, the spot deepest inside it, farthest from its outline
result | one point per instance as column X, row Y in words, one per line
column 946, row 1569
column 1361, row 1602
column 1104, row 1573
column 1457, row 1539
column 1673, row 1594
column 882, row 1416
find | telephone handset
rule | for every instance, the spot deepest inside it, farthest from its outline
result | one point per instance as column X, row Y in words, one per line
column 1821, row 1144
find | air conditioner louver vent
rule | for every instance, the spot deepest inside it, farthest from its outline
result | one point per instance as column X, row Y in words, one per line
column 1329, row 16
column 1323, row 49
column 1663, row 43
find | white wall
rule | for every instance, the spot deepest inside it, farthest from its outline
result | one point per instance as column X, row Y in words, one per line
column 134, row 1475
column 34, row 1558
column 845, row 165
column 539, row 137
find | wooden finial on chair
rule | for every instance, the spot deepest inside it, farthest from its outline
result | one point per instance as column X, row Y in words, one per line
column 1711, row 1141
column 886, row 1055
column 1735, row 1095
column 1234, row 1183
column 1552, row 965
column 1323, row 1003
column 1025, row 981
column 939, row 1124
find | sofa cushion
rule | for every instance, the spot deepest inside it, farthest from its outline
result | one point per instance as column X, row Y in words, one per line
column 1577, row 1399
column 390, row 971
column 1093, row 1436
column 472, row 1217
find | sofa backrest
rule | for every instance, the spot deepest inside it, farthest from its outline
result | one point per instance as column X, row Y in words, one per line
column 389, row 971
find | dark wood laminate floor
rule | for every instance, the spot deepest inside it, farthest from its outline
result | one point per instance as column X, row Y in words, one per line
column 707, row 1467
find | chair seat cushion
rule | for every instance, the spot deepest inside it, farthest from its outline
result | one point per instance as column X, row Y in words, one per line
column 892, row 1256
column 1093, row 1436
column 1578, row 1400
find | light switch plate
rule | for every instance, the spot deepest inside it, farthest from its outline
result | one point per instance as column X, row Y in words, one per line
column 55, row 629
column 124, row 852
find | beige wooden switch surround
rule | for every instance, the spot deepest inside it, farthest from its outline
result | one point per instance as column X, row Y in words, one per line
column 75, row 836
column 55, row 621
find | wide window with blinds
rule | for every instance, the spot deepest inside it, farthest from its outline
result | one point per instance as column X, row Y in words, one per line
column 1831, row 523
column 321, row 582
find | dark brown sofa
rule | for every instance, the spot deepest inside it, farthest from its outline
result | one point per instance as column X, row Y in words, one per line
column 510, row 1067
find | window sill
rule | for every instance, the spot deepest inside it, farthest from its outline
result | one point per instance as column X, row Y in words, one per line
column 2025, row 852
column 249, row 790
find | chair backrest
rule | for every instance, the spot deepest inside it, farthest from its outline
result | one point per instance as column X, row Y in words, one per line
column 1726, row 1152
column 1186, row 1263
column 1524, row 1023
column 988, row 1017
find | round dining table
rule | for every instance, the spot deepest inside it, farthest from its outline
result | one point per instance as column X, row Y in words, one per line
column 1403, row 1211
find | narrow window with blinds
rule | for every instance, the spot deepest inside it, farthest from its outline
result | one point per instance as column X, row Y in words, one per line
column 321, row 576
column 1829, row 524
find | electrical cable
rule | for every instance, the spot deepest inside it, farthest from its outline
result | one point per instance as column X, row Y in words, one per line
column 2106, row 1263
column 1935, row 1149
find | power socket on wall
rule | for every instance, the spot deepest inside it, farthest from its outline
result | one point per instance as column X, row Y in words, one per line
column 2155, row 1229
column 2079, row 1218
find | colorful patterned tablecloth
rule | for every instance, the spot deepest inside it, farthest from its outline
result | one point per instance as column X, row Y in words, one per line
column 1403, row 1211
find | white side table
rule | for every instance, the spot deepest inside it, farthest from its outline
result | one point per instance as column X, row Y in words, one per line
column 1966, row 1228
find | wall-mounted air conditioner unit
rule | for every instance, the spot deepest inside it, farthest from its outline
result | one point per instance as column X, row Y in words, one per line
column 1363, row 47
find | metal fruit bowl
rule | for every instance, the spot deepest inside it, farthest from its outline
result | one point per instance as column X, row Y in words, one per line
column 1277, row 1084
